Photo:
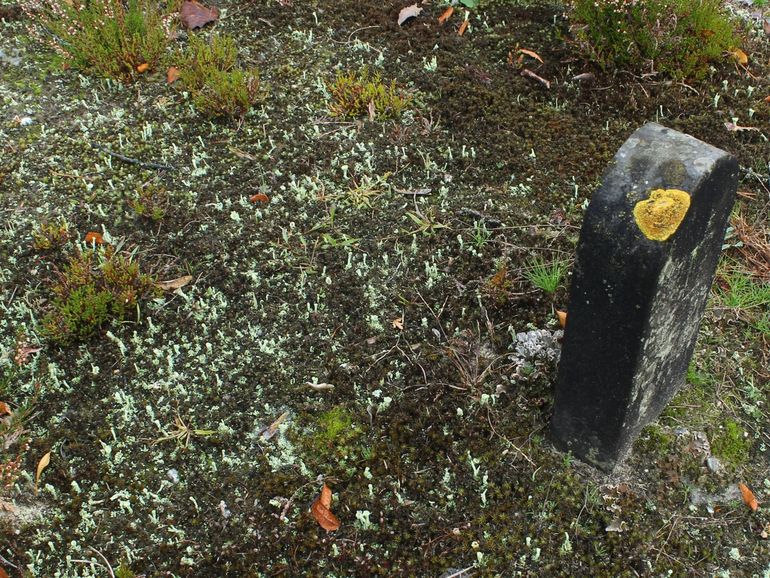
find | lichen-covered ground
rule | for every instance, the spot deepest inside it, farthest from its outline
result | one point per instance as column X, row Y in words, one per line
column 389, row 263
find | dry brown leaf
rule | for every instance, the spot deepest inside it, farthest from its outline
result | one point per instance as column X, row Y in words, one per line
column 748, row 497
column 174, row 283
column 767, row 98
column 322, row 513
column 732, row 127
column 41, row 465
column 142, row 67
column 446, row 15
column 531, row 53
column 194, row 14
column 5, row 409
column 408, row 12
column 319, row 386
column 93, row 237
column 584, row 76
column 398, row 323
column 324, row 517
column 272, row 429
column 7, row 507
column 372, row 110
column 3, row 574
column 740, row 56
column 326, row 496
column 172, row 74
column 562, row 316
column 259, row 198
column 463, row 27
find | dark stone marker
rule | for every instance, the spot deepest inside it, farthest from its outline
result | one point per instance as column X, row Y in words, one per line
column 646, row 259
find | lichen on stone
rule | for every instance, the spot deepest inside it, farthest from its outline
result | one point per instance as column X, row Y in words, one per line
column 659, row 216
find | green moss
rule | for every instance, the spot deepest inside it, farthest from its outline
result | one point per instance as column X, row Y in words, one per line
column 333, row 423
column 730, row 443
column 655, row 441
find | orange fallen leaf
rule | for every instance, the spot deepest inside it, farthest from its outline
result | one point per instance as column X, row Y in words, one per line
column 193, row 14
column 93, row 237
column 748, row 497
column 41, row 465
column 172, row 75
column 531, row 53
column 142, row 67
column 398, row 323
column 562, row 316
column 3, row 573
column 321, row 512
column 463, row 26
column 740, row 56
column 446, row 15
column 326, row 496
column 259, row 198
column 767, row 98
column 5, row 408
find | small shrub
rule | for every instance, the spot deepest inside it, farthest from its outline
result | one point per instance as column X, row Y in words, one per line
column 150, row 202
column 50, row 236
column 353, row 94
column 545, row 276
column 678, row 38
column 14, row 417
column 209, row 71
column 92, row 289
column 113, row 38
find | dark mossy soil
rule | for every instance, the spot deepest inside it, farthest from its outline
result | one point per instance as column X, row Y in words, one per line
column 434, row 446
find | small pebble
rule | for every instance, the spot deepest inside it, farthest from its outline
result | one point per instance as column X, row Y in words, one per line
column 714, row 465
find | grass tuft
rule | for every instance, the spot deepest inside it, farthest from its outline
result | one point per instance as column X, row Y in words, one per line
column 546, row 276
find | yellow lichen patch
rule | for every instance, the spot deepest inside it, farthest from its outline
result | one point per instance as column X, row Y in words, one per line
column 660, row 216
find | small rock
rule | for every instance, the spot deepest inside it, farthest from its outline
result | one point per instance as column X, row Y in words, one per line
column 714, row 465
column 173, row 475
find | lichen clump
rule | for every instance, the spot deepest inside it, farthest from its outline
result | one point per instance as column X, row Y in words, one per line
column 660, row 216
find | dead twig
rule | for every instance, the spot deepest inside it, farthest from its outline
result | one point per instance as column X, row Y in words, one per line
column 132, row 160
column 527, row 73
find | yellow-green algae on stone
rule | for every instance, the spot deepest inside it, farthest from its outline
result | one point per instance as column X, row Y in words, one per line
column 659, row 216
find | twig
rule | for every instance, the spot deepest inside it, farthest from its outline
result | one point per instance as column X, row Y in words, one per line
column 526, row 72
column 513, row 445
column 133, row 161
column 107, row 567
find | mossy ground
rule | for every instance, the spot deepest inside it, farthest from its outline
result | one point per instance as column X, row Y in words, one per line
column 444, row 461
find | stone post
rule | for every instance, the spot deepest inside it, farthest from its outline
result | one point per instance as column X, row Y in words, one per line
column 646, row 259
